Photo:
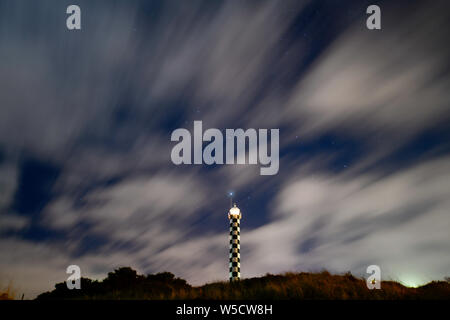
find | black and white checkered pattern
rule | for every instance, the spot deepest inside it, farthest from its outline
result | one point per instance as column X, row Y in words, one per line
column 235, row 255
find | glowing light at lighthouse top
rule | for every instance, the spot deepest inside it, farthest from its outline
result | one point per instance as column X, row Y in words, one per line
column 234, row 213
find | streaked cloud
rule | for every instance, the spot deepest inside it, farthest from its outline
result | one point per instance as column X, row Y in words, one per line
column 98, row 107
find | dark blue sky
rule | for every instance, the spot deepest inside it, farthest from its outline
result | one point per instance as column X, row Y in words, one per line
column 86, row 118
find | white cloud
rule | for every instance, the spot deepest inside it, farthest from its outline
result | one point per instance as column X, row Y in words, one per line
column 344, row 222
column 12, row 222
column 388, row 84
column 137, row 210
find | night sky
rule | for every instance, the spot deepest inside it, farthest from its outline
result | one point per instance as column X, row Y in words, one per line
column 86, row 118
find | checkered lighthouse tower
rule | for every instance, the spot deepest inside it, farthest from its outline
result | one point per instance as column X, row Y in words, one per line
column 234, row 215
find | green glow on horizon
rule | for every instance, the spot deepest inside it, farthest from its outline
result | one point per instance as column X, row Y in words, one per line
column 411, row 281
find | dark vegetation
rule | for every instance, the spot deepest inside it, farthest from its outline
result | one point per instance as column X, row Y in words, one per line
column 125, row 283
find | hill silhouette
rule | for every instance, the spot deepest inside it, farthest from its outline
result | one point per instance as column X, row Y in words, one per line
column 125, row 283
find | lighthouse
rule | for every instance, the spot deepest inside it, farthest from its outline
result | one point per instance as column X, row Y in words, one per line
column 234, row 215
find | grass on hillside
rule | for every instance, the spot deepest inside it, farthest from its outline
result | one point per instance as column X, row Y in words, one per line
column 125, row 283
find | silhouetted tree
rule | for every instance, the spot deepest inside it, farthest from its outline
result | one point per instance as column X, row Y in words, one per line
column 125, row 283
